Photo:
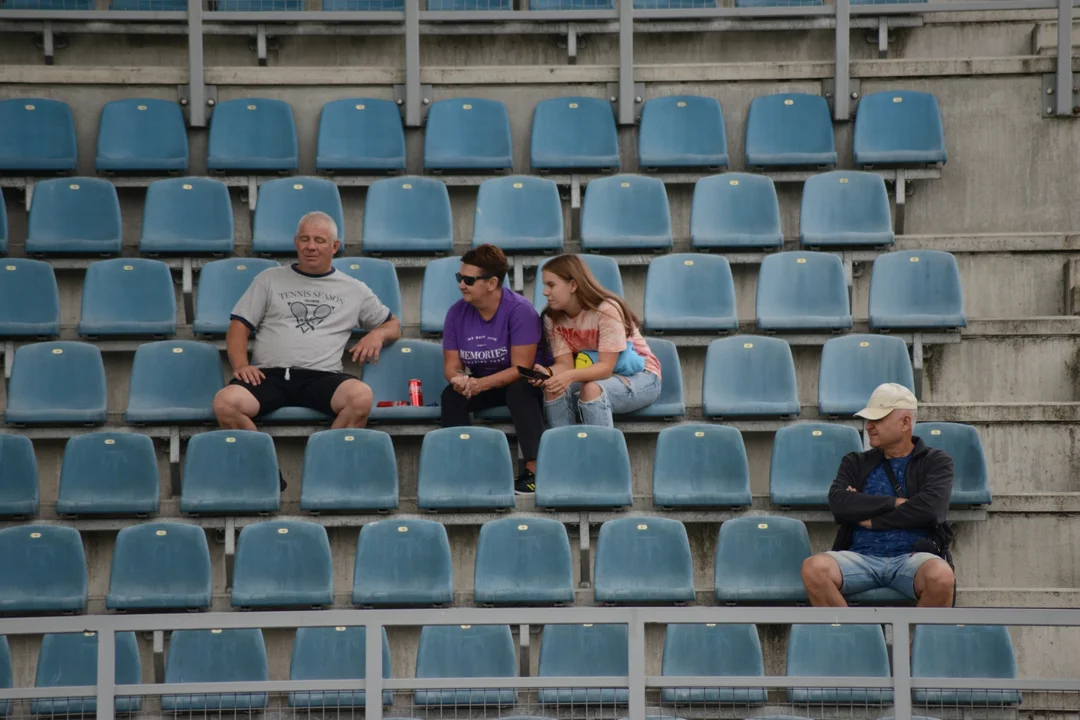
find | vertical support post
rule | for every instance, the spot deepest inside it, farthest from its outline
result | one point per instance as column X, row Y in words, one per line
column 901, row 202
column 883, row 37
column 187, row 289
column 524, row 661
column 901, row 647
column 841, row 80
column 1063, row 86
column 47, row 43
column 230, row 552
column 106, row 674
column 413, row 114
column 174, row 461
column 253, row 192
column 260, row 44
column 571, row 44
column 28, row 193
column 626, row 62
column 159, row 656
column 583, row 543
column 519, row 274
column 373, row 708
column 575, row 206
column 849, row 278
column 917, row 364
column 636, row 667
column 9, row 358
column 196, row 78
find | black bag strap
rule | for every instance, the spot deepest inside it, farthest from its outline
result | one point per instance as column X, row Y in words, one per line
column 892, row 478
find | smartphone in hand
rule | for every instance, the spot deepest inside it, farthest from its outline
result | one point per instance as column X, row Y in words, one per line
column 530, row 374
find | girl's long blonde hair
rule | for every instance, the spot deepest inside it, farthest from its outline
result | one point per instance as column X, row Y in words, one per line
column 590, row 293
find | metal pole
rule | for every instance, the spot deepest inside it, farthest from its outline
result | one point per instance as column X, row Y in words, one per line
column 636, row 667
column 901, row 647
column 1064, row 86
column 626, row 62
column 196, row 78
column 841, row 84
column 373, row 666
column 413, row 114
column 106, row 674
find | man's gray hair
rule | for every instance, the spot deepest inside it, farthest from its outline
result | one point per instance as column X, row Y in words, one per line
column 320, row 216
column 911, row 413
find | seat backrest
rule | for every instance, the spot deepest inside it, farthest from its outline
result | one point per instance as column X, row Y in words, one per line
column 283, row 563
column 216, row 656
column 802, row 291
column 403, row 562
column 682, row 131
column 465, row 468
column 670, row 403
column 57, row 382
column 625, row 211
column 605, row 270
column 74, row 215
column 128, row 296
column 438, row 293
column 3, row 226
column 735, row 210
column 690, row 292
column 109, row 472
column 845, row 207
column 700, row 464
column 403, row 361
column 854, row 365
column 39, row 135
column 349, row 469
column 963, row 445
column 805, row 459
column 519, row 213
column 713, row 649
column 18, row 476
column 962, row 651
column 644, row 559
column 466, row 651
column 759, row 559
column 573, row 133
column 749, row 375
column 837, row 651
column 333, row 653
column 142, row 134
column 252, row 134
column 360, row 134
column 5, row 674
column 187, row 215
column 583, row 650
column 174, row 381
column 468, row 134
column 408, row 214
column 789, row 129
column 221, row 285
column 42, row 569
column 523, row 562
column 898, row 127
column 379, row 275
column 282, row 202
column 230, row 471
column 158, row 566
column 71, row 659
column 29, row 298
column 583, row 466
column 916, row 289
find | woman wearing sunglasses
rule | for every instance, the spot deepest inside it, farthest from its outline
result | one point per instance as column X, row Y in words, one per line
column 487, row 336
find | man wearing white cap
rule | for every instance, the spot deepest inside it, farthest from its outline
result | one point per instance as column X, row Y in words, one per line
column 892, row 505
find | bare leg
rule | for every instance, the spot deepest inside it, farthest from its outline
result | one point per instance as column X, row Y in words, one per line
column 934, row 584
column 823, row 580
column 234, row 407
column 352, row 403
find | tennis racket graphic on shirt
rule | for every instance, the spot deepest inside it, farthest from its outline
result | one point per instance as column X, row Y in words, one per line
column 307, row 318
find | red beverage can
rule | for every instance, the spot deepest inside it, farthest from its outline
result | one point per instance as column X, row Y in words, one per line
column 416, row 393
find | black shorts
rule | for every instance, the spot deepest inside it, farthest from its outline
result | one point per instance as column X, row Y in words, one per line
column 312, row 389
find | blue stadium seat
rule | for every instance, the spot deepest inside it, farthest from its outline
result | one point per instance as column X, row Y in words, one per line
column 349, row 471
column 452, row 651
column 883, row 596
column 283, row 564
column 408, row 214
column 42, row 569
column 605, row 269
column 155, row 5
column 805, row 458
column 523, row 562
column 142, row 135
column 403, row 562
column 970, row 483
column 187, row 215
column 749, row 375
column 789, row 129
column 333, row 653
column 283, row 202
column 838, row 651
column 29, row 298
column 468, row 134
column 802, row 291
column 78, row 215
column 39, row 134
column 379, row 275
column 963, row 651
column 229, row 471
column 360, row 134
column 776, row 3
column 128, row 296
column 670, row 404
column 174, row 381
column 458, row 5
column 215, row 656
column 57, row 382
column 916, row 289
column 49, row 5
column 898, row 127
column 626, row 212
column 759, row 560
column 571, row 4
column 294, row 415
column 736, row 211
column 582, row 466
column 221, row 285
column 714, row 649
column 690, row 293
column 158, row 566
column 681, row 131
column 583, row 651
column 852, row 366
column 845, row 207
column 259, row 5
column 5, row 675
column 572, row 133
column 644, row 560
column 252, row 134
column 700, row 465
column 109, row 473
column 18, row 476
column 438, row 293
column 465, row 468
column 399, row 363
column 3, row 225
column 70, row 659
column 519, row 214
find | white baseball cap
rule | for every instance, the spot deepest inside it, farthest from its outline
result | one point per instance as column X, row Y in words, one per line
column 885, row 399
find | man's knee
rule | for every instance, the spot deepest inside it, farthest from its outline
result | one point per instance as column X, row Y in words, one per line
column 591, row 391
column 936, row 577
column 358, row 397
column 234, row 400
column 819, row 570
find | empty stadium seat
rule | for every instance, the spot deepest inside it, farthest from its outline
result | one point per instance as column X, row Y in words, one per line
column 333, row 653
column 215, row 656
column 5, row 674
column 898, row 127
column 155, row 5
column 39, row 134
column 108, row 473
column 970, row 483
column 187, row 215
column 789, row 129
column 349, row 470
column 714, row 649
column 283, row 202
column 465, row 468
column 128, row 296
column 626, row 212
column 221, row 285
column 29, row 298
column 408, row 214
column 360, row 134
column 838, row 651
column 174, row 381
column 379, row 275
column 917, row 289
column 776, row 3
column 571, row 4
column 158, row 566
column 605, row 269
column 3, row 225
column 805, row 458
column 759, row 560
column 581, row 466
column 670, row 404
column 963, row 651
column 802, row 291
column 140, row 135
column 42, row 569
column 453, row 651
column 259, row 5
column 227, row 471
column 251, row 134
column 681, row 131
column 399, row 363
column 748, row 375
column 78, row 215
column 690, row 293
column 283, row 564
column 644, row 560
column 519, row 214
column 852, row 366
column 700, row 465
column 71, row 659
column 581, row 651
column 523, row 562
column 18, row 476
column 572, row 133
column 468, row 134
column 457, row 5
column 845, row 207
column 737, row 211
column 57, row 382
column 403, row 562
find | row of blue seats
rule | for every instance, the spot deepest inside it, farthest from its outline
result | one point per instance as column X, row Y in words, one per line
column 399, row 5
column 366, row 134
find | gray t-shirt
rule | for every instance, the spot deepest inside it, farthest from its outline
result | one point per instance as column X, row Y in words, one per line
column 304, row 321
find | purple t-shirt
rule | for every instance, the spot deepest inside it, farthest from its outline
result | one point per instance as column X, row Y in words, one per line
column 484, row 345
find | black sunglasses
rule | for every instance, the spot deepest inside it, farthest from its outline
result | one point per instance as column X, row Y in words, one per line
column 469, row 280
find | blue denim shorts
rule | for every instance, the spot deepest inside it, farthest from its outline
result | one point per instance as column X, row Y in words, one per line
column 867, row 572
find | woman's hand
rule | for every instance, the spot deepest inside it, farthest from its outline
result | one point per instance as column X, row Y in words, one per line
column 559, row 383
column 458, row 382
column 540, row 369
